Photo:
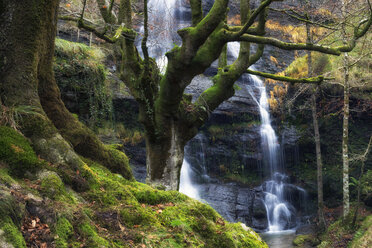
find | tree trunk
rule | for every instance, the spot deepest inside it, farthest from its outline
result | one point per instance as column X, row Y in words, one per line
column 319, row 165
column 28, row 85
column 27, row 38
column 164, row 158
column 318, row 162
column 345, row 140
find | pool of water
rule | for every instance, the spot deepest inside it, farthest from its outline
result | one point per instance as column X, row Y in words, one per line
column 282, row 239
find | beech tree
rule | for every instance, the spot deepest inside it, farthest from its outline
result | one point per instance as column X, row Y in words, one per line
column 168, row 115
column 29, row 93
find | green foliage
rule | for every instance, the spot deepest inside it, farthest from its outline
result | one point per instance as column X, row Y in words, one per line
column 340, row 233
column 366, row 182
column 16, row 151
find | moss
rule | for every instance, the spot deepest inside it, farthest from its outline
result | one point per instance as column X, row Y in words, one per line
column 148, row 195
column 138, row 215
column 93, row 240
column 363, row 236
column 119, row 162
column 5, row 178
column 303, row 240
column 64, row 230
column 12, row 233
column 52, row 187
column 16, row 151
column 79, row 69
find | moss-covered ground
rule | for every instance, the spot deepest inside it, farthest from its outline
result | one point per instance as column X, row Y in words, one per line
column 110, row 212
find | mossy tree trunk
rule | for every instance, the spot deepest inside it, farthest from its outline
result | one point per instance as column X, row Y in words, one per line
column 169, row 116
column 28, row 86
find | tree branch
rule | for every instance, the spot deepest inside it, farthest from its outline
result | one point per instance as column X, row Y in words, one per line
column 254, row 15
column 146, row 34
column 312, row 80
column 302, row 19
column 288, row 45
column 196, row 11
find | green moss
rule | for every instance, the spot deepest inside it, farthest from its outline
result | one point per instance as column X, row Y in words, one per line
column 12, row 233
column 138, row 215
column 5, row 178
column 64, row 230
column 80, row 69
column 52, row 187
column 303, row 240
column 119, row 162
column 363, row 236
column 148, row 195
column 89, row 232
column 16, row 151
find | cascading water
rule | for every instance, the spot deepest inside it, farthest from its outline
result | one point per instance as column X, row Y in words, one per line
column 280, row 212
column 162, row 37
column 163, row 23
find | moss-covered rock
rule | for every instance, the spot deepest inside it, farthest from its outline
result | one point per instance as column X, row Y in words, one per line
column 16, row 151
column 89, row 232
column 11, row 214
column 305, row 240
column 52, row 187
column 115, row 212
column 11, row 233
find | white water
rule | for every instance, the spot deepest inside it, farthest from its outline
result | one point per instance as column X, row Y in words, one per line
column 277, row 208
column 161, row 25
column 186, row 185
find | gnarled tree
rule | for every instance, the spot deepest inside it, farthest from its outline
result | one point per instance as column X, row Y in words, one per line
column 28, row 87
column 168, row 115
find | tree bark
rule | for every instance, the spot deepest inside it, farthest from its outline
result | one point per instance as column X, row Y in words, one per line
column 321, row 220
column 164, row 158
column 27, row 81
column 345, row 125
column 27, row 38
column 345, row 140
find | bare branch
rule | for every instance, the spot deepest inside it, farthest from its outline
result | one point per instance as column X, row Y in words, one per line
column 311, row 80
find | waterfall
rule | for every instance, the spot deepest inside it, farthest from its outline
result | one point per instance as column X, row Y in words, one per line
column 280, row 212
column 162, row 25
column 187, row 186
column 164, row 20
